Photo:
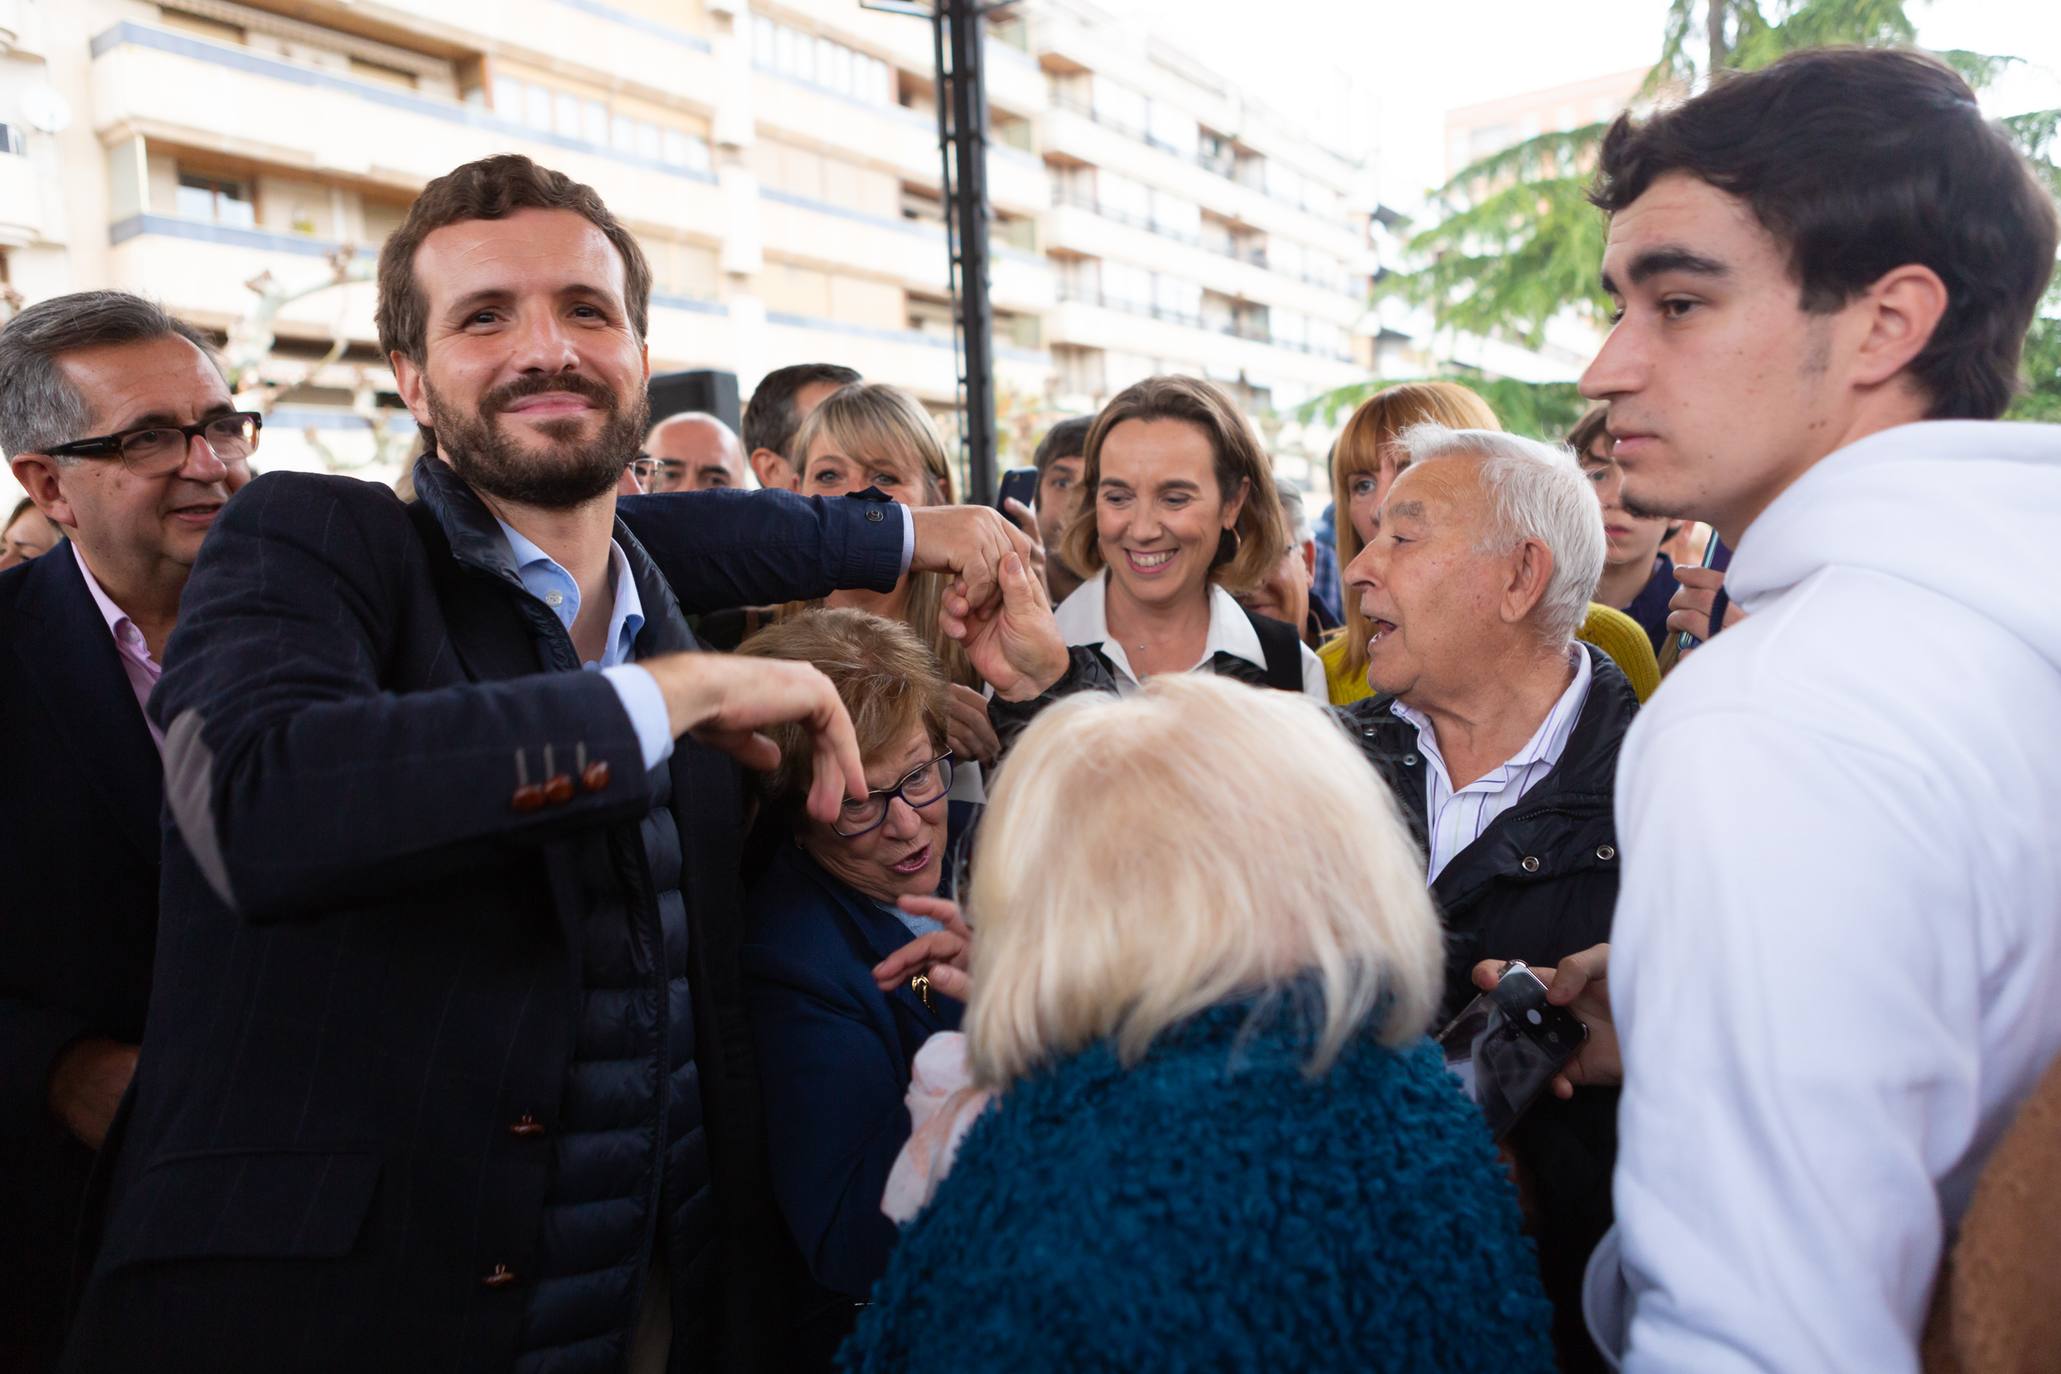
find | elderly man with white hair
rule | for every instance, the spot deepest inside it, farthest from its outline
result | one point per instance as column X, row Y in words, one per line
column 1498, row 733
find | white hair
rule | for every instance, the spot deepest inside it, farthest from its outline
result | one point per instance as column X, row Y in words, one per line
column 1145, row 857
column 1295, row 517
column 1535, row 491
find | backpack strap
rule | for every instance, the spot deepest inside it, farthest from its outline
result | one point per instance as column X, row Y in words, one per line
column 1282, row 647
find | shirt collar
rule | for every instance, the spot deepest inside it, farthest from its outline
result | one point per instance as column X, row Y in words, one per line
column 1083, row 618
column 1547, row 743
column 547, row 581
column 127, row 636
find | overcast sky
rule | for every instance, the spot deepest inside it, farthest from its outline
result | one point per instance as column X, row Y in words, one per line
column 1423, row 57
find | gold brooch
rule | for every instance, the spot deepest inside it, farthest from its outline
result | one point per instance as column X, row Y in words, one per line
column 920, row 985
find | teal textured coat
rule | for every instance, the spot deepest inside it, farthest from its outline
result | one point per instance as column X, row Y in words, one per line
column 1213, row 1207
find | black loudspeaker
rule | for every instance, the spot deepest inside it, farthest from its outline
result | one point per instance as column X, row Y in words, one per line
column 713, row 393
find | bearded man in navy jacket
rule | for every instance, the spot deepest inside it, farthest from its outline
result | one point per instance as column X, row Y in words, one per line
column 447, row 1065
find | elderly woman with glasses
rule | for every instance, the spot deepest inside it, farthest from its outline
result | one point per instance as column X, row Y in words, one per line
column 833, row 1049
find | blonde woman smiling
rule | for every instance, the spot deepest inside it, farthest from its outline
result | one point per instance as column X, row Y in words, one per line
column 870, row 434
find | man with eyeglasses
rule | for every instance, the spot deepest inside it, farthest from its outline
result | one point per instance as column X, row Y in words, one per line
column 117, row 421
column 693, row 451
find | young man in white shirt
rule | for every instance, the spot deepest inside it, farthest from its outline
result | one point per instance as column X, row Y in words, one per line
column 1839, row 935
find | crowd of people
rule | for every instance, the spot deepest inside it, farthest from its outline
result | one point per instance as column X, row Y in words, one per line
column 578, row 912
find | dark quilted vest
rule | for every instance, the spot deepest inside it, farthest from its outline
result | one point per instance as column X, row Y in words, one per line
column 636, row 1031
column 630, row 1151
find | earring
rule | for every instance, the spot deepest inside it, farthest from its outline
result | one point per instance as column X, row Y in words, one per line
column 1228, row 544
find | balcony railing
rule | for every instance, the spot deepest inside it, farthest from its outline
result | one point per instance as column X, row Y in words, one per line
column 1094, row 295
column 1081, row 200
column 1247, row 330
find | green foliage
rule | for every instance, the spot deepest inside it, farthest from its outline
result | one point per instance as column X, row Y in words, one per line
column 1542, row 410
column 1514, row 260
column 2041, row 367
column 1822, row 23
column 1517, row 243
column 2038, row 135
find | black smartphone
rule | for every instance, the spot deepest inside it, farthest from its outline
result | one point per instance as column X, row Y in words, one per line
column 1506, row 1045
column 1021, row 483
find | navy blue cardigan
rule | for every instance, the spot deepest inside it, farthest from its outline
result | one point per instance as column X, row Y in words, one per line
column 1214, row 1207
column 833, row 1053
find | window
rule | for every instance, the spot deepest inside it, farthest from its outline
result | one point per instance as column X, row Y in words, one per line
column 1283, row 184
column 1175, row 299
column 571, row 115
column 1175, row 217
column 1119, row 106
column 216, row 200
column 1171, row 129
column 379, row 71
column 1121, row 198
column 382, row 217
column 1079, row 369
column 678, row 150
column 1125, row 287
column 820, row 62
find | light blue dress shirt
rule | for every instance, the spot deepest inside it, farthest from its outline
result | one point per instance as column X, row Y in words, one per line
column 637, row 689
column 548, row 582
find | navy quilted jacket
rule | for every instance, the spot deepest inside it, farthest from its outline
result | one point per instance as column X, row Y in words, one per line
column 1215, row 1208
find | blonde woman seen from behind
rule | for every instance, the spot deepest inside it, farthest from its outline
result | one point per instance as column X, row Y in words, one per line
column 1219, row 1137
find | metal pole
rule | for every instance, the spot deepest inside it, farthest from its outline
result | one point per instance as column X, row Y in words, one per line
column 964, row 111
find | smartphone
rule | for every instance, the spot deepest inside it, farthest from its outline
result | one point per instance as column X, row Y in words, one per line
column 1021, row 483
column 1506, row 1045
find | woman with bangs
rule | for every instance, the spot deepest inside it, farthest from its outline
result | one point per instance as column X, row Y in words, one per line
column 1179, row 516
column 1364, row 465
column 870, row 434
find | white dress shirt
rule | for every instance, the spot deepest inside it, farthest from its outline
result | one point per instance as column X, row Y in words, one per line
column 1084, row 620
column 1455, row 819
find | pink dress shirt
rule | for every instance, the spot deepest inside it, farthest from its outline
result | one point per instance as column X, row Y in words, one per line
column 143, row 670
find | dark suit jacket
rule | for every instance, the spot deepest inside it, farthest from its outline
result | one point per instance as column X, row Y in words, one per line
column 78, row 922
column 336, row 1153
column 834, row 1056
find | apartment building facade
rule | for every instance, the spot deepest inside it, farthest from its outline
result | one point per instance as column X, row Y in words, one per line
column 242, row 160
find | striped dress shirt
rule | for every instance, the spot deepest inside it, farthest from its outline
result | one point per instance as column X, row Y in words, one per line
column 1455, row 819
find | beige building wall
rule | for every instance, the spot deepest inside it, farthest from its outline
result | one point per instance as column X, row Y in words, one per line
column 1474, row 132
column 242, row 160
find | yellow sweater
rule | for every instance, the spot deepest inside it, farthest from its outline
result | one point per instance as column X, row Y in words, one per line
column 1614, row 632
